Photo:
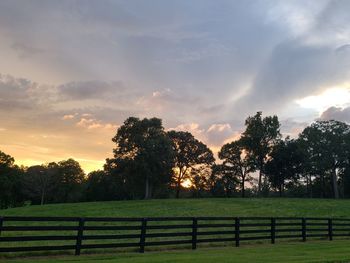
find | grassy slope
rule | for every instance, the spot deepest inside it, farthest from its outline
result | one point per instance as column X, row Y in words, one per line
column 193, row 207
column 321, row 251
column 336, row 250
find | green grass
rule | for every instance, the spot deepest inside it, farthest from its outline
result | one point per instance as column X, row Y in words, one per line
column 317, row 251
column 193, row 207
column 337, row 250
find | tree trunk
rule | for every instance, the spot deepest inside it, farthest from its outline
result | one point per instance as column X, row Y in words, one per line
column 42, row 198
column 243, row 190
column 259, row 183
column 280, row 189
column 178, row 187
column 310, row 186
column 323, row 187
column 335, row 184
column 147, row 190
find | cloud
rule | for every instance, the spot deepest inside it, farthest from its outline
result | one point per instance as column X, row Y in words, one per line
column 90, row 90
column 92, row 123
column 336, row 113
column 200, row 66
column 26, row 51
column 68, row 116
column 214, row 136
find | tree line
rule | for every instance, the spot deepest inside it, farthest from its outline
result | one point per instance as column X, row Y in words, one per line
column 150, row 162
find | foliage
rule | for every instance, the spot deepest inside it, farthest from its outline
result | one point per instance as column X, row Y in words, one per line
column 143, row 157
column 149, row 162
column 326, row 144
column 192, row 157
column 259, row 138
column 237, row 163
column 285, row 164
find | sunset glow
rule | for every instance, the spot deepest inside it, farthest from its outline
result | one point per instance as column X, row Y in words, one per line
column 72, row 71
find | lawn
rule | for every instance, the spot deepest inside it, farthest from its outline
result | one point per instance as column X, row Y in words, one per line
column 193, row 207
column 249, row 252
column 317, row 251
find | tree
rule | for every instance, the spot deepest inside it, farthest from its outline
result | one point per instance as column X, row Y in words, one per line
column 10, row 182
column 237, row 163
column 326, row 146
column 191, row 157
column 223, row 181
column 258, row 139
column 200, row 180
column 70, row 180
column 40, row 183
column 285, row 164
column 143, row 157
column 102, row 186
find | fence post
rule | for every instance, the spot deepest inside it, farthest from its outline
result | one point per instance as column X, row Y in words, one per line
column 237, row 224
column 273, row 230
column 143, row 235
column 1, row 223
column 79, row 236
column 194, row 233
column 303, row 229
column 330, row 229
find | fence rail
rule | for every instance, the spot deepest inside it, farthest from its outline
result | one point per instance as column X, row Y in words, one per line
column 18, row 234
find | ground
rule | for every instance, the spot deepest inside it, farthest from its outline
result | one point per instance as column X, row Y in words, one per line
column 311, row 251
column 316, row 251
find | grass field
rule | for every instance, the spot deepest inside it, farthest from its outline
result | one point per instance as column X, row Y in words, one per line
column 311, row 251
column 193, row 207
column 317, row 251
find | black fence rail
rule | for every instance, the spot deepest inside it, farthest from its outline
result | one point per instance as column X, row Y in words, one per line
column 19, row 234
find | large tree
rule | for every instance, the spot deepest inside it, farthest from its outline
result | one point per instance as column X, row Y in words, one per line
column 222, row 181
column 258, row 139
column 10, row 182
column 326, row 145
column 285, row 164
column 101, row 186
column 40, row 183
column 191, row 157
column 70, row 180
column 143, row 157
column 237, row 163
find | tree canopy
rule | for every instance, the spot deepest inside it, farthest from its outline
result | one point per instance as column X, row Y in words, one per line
column 144, row 154
column 191, row 156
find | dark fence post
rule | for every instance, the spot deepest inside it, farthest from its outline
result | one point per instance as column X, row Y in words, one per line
column 1, row 223
column 330, row 229
column 143, row 235
column 303, row 229
column 79, row 236
column 273, row 230
column 194, row 233
column 237, row 224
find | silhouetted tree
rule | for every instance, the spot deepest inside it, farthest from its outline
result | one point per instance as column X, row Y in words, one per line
column 258, row 139
column 237, row 163
column 191, row 157
column 326, row 146
column 223, row 180
column 285, row 164
column 143, row 157
column 70, row 180
column 102, row 186
column 10, row 182
column 40, row 183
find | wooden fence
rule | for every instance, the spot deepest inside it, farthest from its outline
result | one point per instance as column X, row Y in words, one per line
column 35, row 233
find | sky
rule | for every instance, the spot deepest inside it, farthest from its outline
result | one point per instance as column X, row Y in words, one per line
column 72, row 71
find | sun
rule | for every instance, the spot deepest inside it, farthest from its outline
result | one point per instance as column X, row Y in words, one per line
column 187, row 183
